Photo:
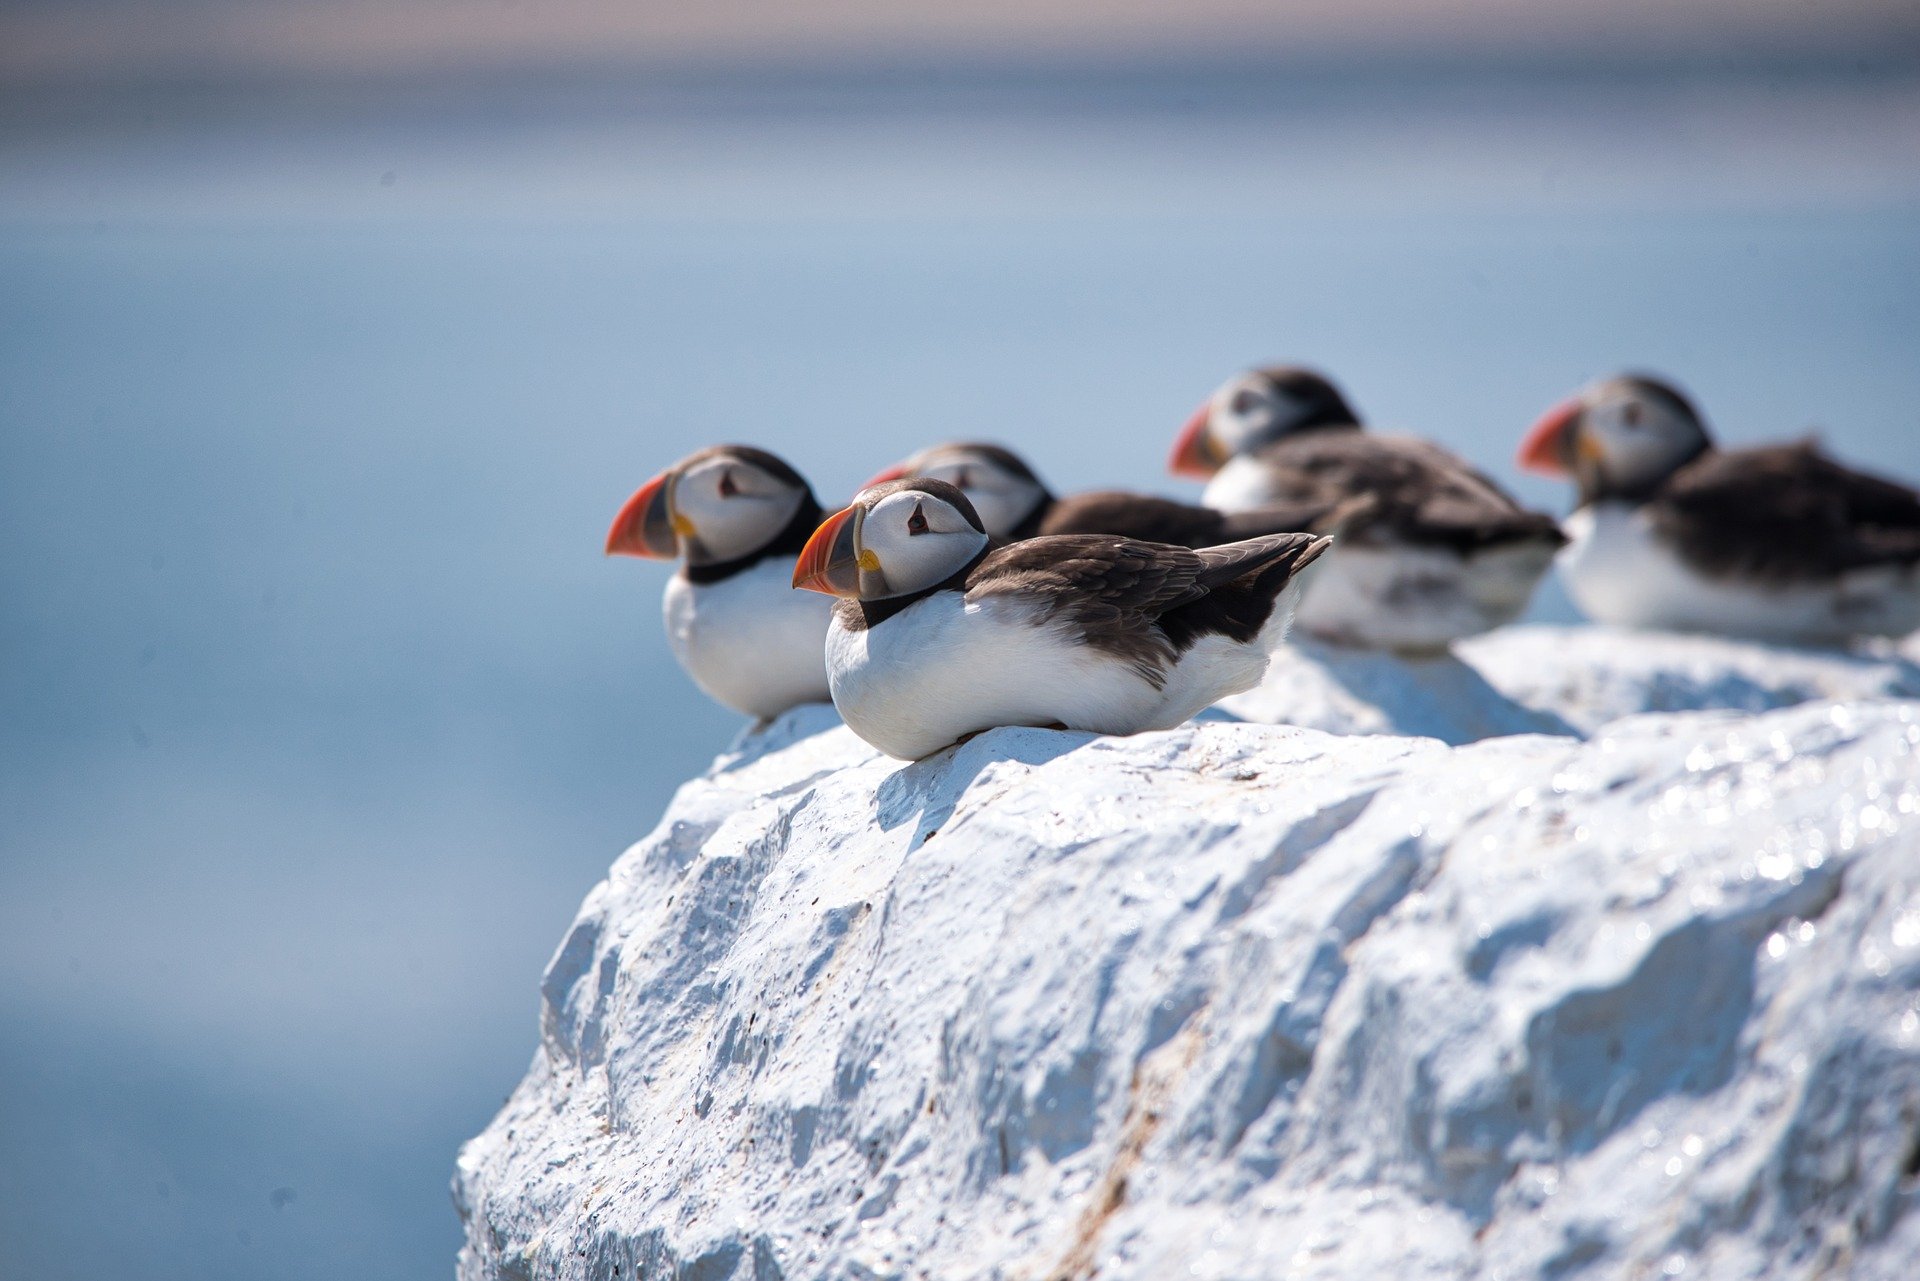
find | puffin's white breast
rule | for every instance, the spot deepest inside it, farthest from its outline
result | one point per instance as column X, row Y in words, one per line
column 750, row 641
column 1617, row 570
column 1401, row 597
column 942, row 668
column 1242, row 485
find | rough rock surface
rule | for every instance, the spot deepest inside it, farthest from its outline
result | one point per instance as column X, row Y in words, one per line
column 1559, row 680
column 1241, row 1001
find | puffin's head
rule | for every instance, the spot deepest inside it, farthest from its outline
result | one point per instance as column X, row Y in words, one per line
column 898, row 537
column 1621, row 436
column 1003, row 489
column 717, row 505
column 1254, row 409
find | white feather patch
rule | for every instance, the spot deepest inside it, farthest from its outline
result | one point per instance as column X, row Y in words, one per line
column 751, row 642
column 1618, row 571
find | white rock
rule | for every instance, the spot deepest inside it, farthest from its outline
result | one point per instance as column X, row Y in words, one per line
column 1564, row 680
column 1593, row 675
column 1314, row 685
column 1240, row 1001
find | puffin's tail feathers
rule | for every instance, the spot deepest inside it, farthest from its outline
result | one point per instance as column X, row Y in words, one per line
column 1250, row 588
column 1269, row 561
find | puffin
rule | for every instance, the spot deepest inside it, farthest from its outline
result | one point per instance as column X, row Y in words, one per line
column 1014, row 503
column 736, row 518
column 1776, row 543
column 1442, row 552
column 940, row 631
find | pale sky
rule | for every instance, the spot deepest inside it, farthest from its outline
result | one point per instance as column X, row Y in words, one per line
column 56, row 39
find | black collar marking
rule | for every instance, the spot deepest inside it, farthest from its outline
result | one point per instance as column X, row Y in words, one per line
column 868, row 613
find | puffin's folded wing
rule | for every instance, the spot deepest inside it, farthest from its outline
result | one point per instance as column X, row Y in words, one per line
column 1107, row 593
column 1258, row 558
column 1092, row 572
column 1420, row 491
column 1145, row 603
column 1786, row 513
column 1161, row 520
column 1142, row 516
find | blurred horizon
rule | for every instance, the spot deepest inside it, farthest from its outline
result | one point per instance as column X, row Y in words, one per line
column 598, row 148
column 314, row 112
column 54, row 40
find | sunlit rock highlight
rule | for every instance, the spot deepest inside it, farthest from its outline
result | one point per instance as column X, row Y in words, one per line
column 1241, row 1001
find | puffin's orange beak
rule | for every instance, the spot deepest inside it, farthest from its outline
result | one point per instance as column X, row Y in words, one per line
column 645, row 526
column 896, row 472
column 1194, row 453
column 1544, row 451
column 830, row 562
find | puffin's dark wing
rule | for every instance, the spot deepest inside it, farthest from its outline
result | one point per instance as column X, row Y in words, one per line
column 1092, row 572
column 1161, row 520
column 1145, row 602
column 1108, row 591
column 1421, row 493
column 1257, row 558
column 1246, row 579
column 1153, row 520
column 1785, row 513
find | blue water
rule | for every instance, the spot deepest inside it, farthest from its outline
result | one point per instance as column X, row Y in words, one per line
column 319, row 707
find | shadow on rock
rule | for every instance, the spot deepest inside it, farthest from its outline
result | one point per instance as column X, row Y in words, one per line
column 926, row 791
column 1363, row 691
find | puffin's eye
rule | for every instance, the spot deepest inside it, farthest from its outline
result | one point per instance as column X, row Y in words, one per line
column 1631, row 414
column 963, row 479
column 917, row 523
column 727, row 488
column 1245, row 401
